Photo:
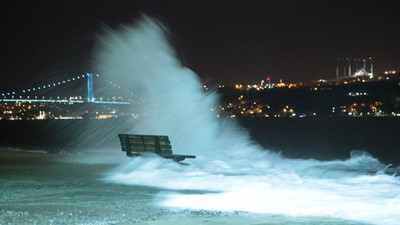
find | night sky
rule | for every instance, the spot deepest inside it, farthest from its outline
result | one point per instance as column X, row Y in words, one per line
column 222, row 41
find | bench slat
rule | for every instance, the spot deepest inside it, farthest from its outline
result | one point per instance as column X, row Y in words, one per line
column 145, row 137
column 149, row 146
column 152, row 145
column 165, row 152
column 148, row 141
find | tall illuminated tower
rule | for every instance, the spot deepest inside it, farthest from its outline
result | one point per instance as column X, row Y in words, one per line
column 90, row 95
column 372, row 68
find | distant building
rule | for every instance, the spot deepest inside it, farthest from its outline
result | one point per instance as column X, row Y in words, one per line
column 354, row 67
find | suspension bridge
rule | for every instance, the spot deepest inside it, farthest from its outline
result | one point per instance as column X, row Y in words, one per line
column 24, row 95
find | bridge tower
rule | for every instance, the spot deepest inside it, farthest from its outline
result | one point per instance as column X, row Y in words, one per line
column 90, row 95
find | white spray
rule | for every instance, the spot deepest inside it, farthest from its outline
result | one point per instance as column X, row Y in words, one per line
column 241, row 176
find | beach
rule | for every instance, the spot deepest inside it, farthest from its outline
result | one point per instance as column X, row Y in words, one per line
column 45, row 188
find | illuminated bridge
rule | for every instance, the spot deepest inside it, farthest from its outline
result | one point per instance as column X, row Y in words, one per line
column 17, row 96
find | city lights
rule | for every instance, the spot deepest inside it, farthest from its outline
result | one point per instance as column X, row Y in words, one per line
column 251, row 100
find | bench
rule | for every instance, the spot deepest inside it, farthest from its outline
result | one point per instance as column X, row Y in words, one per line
column 134, row 145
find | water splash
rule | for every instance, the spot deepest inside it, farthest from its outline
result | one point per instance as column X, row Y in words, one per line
column 173, row 101
column 231, row 172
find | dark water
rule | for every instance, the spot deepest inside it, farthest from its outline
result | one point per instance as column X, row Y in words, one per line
column 330, row 137
column 319, row 138
column 61, row 135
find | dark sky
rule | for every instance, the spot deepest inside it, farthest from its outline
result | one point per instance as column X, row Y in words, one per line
column 222, row 41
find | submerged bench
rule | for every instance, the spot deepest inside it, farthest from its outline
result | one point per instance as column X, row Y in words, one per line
column 135, row 145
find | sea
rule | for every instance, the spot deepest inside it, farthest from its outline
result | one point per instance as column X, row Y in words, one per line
column 58, row 171
column 321, row 138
